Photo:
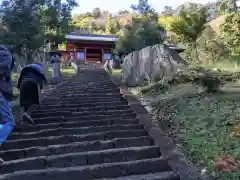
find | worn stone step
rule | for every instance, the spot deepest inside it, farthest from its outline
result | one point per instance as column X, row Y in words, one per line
column 101, row 86
column 101, row 108
column 81, row 159
column 88, row 89
column 75, row 131
column 82, row 113
column 72, row 124
column 107, row 170
column 77, row 92
column 54, row 140
column 87, row 93
column 73, row 117
column 89, row 100
column 167, row 175
column 85, row 97
column 76, row 147
column 97, row 86
column 103, row 96
column 86, row 105
column 79, row 95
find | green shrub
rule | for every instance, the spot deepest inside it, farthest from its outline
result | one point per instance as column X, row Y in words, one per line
column 211, row 83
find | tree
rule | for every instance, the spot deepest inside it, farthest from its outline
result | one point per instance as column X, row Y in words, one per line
column 122, row 13
column 96, row 13
column 145, row 10
column 166, row 21
column 225, row 6
column 57, row 17
column 211, row 44
column 168, row 11
column 29, row 23
column 109, row 25
column 139, row 34
column 190, row 25
column 230, row 33
column 25, row 30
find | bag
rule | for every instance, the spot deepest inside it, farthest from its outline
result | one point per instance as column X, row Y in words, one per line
column 35, row 71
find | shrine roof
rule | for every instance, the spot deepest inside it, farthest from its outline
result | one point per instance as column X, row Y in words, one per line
column 90, row 37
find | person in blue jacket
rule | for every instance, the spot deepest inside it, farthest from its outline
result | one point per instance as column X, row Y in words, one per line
column 7, row 122
column 30, row 83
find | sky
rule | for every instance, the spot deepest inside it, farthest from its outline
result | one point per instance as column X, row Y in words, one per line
column 117, row 5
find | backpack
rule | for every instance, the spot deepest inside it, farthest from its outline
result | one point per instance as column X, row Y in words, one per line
column 36, row 70
column 6, row 66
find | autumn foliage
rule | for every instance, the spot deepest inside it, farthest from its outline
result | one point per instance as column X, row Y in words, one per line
column 226, row 164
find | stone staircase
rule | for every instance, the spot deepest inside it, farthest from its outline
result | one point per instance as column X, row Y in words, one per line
column 85, row 130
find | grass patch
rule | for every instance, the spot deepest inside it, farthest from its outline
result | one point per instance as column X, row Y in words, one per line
column 116, row 72
column 207, row 124
column 202, row 124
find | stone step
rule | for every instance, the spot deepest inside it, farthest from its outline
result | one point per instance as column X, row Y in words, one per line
column 76, row 147
column 167, row 175
column 79, row 92
column 88, row 90
column 73, row 117
column 71, row 124
column 101, row 108
column 81, row 113
column 75, row 131
column 107, row 170
column 55, row 140
column 83, row 97
column 79, row 105
column 81, row 159
column 90, row 100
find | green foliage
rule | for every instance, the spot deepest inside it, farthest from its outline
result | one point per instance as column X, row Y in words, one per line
column 190, row 24
column 210, row 43
column 144, row 9
column 209, row 79
column 112, row 26
column 24, row 27
column 57, row 18
column 141, row 33
column 97, row 22
column 211, row 83
column 230, row 33
column 225, row 6
column 29, row 23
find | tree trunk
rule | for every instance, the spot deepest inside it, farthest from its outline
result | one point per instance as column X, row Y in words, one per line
column 58, row 21
column 197, row 54
column 29, row 58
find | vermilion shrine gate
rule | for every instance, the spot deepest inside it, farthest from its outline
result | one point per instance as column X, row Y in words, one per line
column 89, row 47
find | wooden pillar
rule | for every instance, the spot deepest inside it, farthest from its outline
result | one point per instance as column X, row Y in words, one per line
column 102, row 60
column 85, row 55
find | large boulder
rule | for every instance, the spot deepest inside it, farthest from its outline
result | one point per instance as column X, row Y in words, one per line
column 151, row 62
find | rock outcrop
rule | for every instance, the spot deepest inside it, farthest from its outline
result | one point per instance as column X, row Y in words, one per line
column 149, row 63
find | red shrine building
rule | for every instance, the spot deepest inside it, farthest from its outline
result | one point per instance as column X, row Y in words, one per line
column 89, row 47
